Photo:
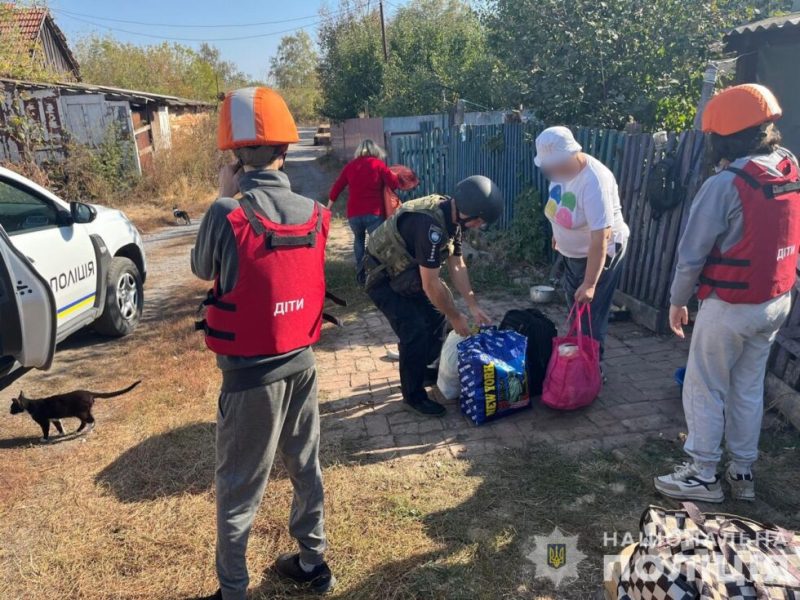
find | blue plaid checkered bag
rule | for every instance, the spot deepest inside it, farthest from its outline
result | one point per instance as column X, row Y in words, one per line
column 491, row 368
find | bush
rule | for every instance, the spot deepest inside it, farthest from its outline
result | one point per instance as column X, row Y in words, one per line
column 96, row 174
column 527, row 238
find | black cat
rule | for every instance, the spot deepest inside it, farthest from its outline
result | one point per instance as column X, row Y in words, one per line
column 77, row 404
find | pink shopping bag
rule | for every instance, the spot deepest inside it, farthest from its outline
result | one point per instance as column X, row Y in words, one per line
column 573, row 377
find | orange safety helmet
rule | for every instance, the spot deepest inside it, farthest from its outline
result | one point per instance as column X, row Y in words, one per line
column 740, row 107
column 255, row 116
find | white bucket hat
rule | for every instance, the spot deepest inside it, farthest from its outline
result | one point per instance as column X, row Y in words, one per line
column 554, row 146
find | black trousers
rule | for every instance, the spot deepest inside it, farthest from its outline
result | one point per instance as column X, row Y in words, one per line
column 420, row 329
column 574, row 272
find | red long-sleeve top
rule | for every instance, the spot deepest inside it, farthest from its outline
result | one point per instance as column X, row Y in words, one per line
column 366, row 176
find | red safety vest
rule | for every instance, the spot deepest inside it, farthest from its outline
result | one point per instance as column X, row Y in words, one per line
column 276, row 305
column 763, row 264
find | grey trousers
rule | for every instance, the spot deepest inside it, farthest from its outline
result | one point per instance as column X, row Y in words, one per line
column 252, row 426
column 723, row 391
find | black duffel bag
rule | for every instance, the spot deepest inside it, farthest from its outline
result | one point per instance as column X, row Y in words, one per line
column 540, row 331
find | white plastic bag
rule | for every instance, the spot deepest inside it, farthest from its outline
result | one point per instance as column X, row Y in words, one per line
column 448, row 380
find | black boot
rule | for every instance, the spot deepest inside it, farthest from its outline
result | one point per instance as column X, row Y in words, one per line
column 424, row 405
column 319, row 581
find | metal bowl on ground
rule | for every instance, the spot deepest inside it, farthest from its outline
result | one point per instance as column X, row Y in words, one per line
column 542, row 294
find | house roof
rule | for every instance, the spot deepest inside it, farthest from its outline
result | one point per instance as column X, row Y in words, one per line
column 27, row 23
column 135, row 96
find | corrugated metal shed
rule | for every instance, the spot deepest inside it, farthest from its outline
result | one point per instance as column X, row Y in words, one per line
column 772, row 24
column 767, row 53
column 752, row 36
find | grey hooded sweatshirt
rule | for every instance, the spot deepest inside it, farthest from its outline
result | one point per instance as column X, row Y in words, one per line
column 715, row 219
column 215, row 256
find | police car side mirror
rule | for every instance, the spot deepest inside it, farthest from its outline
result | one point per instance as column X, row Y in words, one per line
column 82, row 213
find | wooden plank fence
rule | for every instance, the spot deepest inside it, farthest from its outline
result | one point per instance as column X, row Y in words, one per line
column 442, row 157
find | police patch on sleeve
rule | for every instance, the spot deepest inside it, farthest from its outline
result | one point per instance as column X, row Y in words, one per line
column 435, row 234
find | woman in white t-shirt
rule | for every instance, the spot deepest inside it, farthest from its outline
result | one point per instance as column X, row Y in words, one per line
column 584, row 211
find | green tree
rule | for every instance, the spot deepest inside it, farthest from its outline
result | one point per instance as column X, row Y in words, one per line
column 604, row 62
column 163, row 68
column 437, row 53
column 351, row 62
column 293, row 70
column 225, row 74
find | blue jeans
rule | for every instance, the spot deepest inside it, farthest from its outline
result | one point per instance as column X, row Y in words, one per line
column 574, row 271
column 361, row 226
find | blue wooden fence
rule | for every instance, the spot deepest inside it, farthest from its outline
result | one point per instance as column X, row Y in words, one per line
column 442, row 157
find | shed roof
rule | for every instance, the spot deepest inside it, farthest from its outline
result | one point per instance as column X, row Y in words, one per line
column 786, row 26
column 789, row 21
column 88, row 88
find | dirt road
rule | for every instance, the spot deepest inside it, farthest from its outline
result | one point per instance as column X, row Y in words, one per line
column 81, row 360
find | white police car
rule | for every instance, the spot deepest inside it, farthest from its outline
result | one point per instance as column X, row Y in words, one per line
column 63, row 266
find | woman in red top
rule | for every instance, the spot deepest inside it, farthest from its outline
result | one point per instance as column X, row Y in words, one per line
column 366, row 175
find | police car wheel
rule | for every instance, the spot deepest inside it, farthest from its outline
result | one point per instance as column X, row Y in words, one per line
column 124, row 299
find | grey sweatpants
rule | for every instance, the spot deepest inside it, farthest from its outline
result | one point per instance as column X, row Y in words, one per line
column 723, row 391
column 251, row 426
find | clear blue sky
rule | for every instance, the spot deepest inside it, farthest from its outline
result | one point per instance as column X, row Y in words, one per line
column 78, row 18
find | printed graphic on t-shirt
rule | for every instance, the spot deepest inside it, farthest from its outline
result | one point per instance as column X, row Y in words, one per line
column 561, row 206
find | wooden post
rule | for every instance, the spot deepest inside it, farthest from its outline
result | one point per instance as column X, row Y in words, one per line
column 709, row 83
column 383, row 33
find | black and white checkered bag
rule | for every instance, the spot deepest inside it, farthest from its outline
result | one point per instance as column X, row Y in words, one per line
column 688, row 555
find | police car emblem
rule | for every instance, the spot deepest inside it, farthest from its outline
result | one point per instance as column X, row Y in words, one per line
column 435, row 234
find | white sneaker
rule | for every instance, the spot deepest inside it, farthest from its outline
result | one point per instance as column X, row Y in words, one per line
column 743, row 486
column 687, row 484
column 392, row 355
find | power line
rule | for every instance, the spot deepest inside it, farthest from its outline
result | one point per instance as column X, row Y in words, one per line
column 70, row 15
column 185, row 39
column 184, row 25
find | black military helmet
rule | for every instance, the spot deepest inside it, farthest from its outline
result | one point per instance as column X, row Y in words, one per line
column 479, row 198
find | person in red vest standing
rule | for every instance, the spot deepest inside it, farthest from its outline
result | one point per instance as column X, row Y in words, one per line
column 263, row 246
column 740, row 244
column 366, row 175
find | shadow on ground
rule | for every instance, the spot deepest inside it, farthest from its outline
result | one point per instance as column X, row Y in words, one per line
column 485, row 543
column 175, row 462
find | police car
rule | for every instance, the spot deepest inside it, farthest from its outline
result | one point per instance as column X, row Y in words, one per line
column 63, row 266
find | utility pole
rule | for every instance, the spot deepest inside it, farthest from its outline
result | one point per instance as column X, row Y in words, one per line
column 383, row 33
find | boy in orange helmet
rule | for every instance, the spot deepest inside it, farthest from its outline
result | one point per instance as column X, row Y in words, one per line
column 264, row 248
column 740, row 245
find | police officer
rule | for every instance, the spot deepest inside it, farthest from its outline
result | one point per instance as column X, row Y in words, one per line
column 740, row 244
column 403, row 262
column 264, row 248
